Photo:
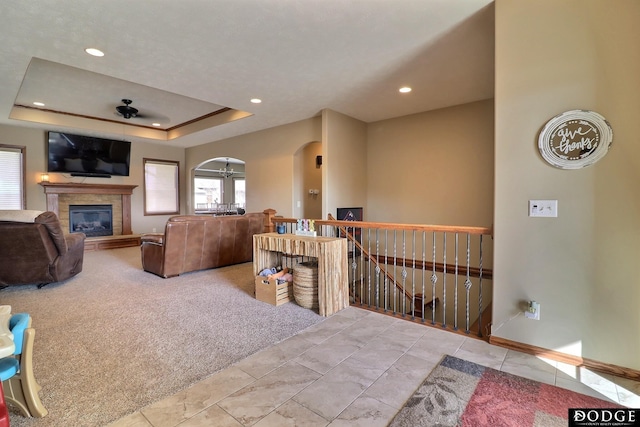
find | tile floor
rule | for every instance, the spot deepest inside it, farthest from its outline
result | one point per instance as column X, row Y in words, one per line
column 356, row 368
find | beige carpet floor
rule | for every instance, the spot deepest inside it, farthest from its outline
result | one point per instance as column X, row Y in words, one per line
column 115, row 338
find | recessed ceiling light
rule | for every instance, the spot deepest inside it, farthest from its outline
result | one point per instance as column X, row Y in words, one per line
column 38, row 104
column 93, row 51
column 156, row 124
column 405, row 89
column 256, row 100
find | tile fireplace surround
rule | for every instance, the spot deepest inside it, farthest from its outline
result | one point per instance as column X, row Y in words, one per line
column 61, row 195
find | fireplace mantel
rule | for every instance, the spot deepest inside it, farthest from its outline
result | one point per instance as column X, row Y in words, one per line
column 52, row 190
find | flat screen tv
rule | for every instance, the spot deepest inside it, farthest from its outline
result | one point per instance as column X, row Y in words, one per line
column 81, row 155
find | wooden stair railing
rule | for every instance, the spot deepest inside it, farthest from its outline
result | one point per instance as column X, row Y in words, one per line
column 375, row 261
column 381, row 261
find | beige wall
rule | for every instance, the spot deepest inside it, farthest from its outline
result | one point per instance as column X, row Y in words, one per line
column 432, row 168
column 311, row 204
column 344, row 166
column 269, row 162
column 553, row 56
column 35, row 142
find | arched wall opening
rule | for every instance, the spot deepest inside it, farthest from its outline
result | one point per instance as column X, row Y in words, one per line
column 307, row 186
column 218, row 185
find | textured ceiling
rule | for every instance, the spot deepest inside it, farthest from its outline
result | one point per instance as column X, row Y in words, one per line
column 180, row 60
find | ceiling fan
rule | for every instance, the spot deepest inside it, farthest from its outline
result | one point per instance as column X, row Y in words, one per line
column 127, row 111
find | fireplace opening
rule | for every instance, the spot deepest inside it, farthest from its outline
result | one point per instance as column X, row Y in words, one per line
column 92, row 220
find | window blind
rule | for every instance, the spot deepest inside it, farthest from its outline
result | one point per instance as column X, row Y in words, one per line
column 161, row 187
column 11, row 191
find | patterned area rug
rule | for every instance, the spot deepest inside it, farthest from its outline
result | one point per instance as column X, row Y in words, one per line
column 461, row 393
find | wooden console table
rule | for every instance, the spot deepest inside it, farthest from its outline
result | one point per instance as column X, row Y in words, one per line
column 333, row 284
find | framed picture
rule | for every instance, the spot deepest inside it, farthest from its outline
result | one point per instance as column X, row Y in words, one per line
column 575, row 139
column 349, row 214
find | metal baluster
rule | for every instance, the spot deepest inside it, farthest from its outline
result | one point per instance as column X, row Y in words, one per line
column 444, row 280
column 455, row 292
column 395, row 287
column 434, row 278
column 386, row 282
column 354, row 268
column 480, row 293
column 413, row 277
column 355, row 250
column 404, row 273
column 467, row 283
column 369, row 266
column 424, row 259
column 377, row 269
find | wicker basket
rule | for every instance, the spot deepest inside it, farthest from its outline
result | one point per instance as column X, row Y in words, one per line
column 305, row 284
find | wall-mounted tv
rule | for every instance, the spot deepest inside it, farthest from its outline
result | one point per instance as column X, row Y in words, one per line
column 81, row 155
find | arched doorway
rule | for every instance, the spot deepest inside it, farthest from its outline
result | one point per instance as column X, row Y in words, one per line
column 308, row 181
column 219, row 186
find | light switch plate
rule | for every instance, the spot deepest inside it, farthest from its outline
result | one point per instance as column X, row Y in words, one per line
column 543, row 208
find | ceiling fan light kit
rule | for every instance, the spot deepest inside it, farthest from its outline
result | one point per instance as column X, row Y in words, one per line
column 126, row 110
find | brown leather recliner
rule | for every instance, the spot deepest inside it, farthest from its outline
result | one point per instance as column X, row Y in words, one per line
column 35, row 250
column 195, row 242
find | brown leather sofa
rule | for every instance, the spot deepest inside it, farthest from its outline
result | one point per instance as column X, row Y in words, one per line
column 35, row 250
column 199, row 242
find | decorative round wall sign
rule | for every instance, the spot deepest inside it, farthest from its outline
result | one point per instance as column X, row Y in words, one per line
column 575, row 139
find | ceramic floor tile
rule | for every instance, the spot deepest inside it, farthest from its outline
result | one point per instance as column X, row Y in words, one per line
column 628, row 392
column 628, row 399
column 213, row 416
column 376, row 355
column 393, row 340
column 567, row 372
column 529, row 366
column 326, row 356
column 257, row 400
column 482, row 353
column 292, row 414
column 434, row 344
column 185, row 404
column 369, row 327
column 601, row 383
column 332, row 393
column 327, row 328
column 629, row 385
column 365, row 412
column 585, row 389
column 220, row 385
column 265, row 361
column 173, row 410
column 517, row 358
column 353, row 312
column 398, row 337
column 134, row 420
column 412, row 329
column 585, row 382
column 403, row 378
column 355, row 337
